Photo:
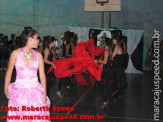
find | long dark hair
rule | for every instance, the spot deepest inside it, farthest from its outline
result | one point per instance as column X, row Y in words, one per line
column 108, row 42
column 48, row 40
column 123, row 42
column 116, row 37
column 69, row 36
column 25, row 35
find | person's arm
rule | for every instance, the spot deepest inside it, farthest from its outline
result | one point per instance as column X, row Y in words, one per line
column 9, row 71
column 42, row 75
column 67, row 51
column 106, row 54
column 115, row 51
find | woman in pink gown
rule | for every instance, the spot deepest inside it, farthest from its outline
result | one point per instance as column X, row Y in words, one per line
column 26, row 90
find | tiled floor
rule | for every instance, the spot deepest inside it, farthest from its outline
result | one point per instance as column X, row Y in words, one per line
column 136, row 104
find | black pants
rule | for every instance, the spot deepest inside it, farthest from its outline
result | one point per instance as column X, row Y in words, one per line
column 106, row 89
column 49, row 83
column 60, row 83
column 118, row 75
column 50, row 80
column 66, row 81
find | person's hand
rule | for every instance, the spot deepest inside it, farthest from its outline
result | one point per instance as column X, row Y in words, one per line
column 95, row 60
column 101, row 65
column 6, row 94
column 53, row 65
column 45, row 98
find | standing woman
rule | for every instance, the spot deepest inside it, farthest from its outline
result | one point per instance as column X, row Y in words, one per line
column 70, row 47
column 26, row 90
column 125, row 55
column 117, row 69
column 48, row 58
column 107, row 72
column 118, row 59
column 124, row 49
column 61, row 80
column 63, row 38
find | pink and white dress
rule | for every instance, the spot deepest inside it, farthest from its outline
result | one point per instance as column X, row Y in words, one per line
column 26, row 90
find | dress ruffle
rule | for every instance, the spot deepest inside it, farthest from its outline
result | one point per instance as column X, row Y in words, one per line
column 27, row 97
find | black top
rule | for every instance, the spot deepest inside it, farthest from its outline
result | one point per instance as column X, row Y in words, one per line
column 113, row 68
column 69, row 52
column 50, row 58
column 118, row 60
column 64, row 50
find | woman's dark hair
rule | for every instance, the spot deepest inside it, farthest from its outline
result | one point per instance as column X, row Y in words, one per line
column 108, row 42
column 123, row 42
column 75, row 39
column 25, row 35
column 124, row 39
column 53, row 38
column 95, row 40
column 48, row 40
column 116, row 37
column 69, row 36
column 39, row 38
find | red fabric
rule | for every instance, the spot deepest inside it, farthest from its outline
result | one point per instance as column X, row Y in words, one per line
column 81, row 80
column 82, row 61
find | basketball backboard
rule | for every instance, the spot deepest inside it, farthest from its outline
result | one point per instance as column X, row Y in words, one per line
column 102, row 5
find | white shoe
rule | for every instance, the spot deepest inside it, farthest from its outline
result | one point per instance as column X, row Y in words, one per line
column 59, row 94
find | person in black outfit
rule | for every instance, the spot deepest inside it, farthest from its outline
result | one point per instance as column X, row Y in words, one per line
column 61, row 80
column 124, row 49
column 117, row 68
column 48, row 57
column 118, row 61
column 107, row 70
column 70, row 47
column 6, row 52
column 125, row 55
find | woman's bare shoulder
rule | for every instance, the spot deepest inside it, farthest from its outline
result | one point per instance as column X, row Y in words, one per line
column 15, row 52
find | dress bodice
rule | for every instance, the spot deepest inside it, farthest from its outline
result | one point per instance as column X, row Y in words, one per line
column 26, row 76
column 118, row 60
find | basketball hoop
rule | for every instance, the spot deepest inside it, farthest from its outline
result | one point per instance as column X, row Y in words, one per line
column 102, row 3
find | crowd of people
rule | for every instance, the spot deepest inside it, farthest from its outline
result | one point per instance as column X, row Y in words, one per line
column 27, row 61
column 52, row 52
column 6, row 47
